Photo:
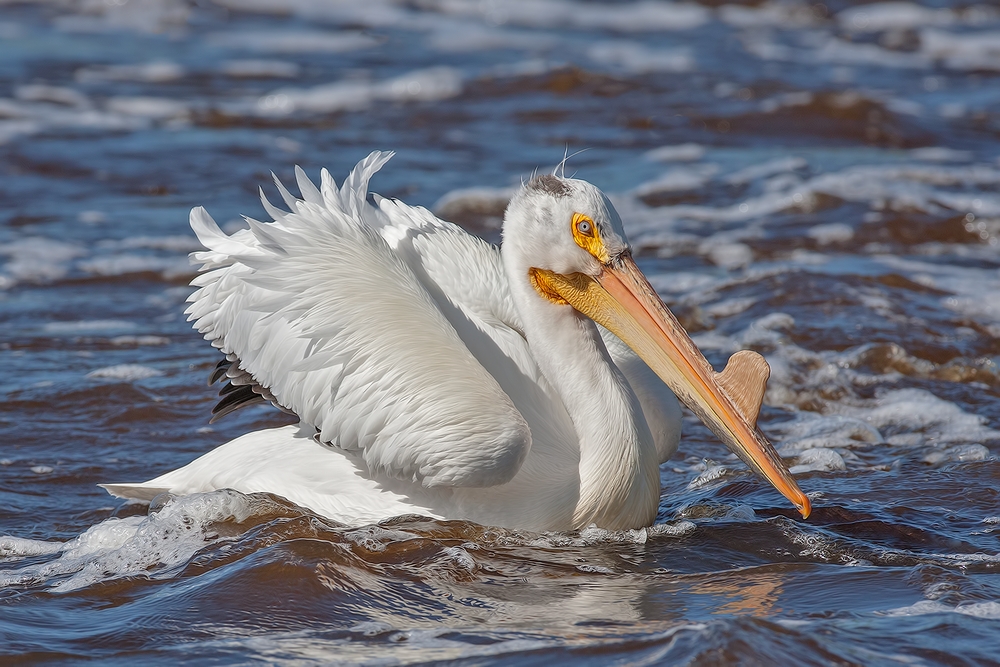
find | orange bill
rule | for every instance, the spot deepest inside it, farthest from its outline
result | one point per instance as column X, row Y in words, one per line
column 623, row 301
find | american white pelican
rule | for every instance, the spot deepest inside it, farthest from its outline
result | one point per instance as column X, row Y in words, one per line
column 436, row 374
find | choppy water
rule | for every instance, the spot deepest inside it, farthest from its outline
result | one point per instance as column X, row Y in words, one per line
column 818, row 182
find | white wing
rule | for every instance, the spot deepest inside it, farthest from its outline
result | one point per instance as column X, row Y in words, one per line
column 466, row 269
column 323, row 314
column 465, row 277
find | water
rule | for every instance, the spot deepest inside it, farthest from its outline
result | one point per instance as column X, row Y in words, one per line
column 818, row 182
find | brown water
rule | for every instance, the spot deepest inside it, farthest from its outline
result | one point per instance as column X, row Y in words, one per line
column 818, row 182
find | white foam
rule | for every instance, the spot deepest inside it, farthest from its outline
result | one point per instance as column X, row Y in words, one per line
column 989, row 610
column 638, row 59
column 92, row 217
column 589, row 536
column 260, row 68
column 835, row 232
column 594, row 535
column 462, row 558
column 729, row 255
column 430, row 84
column 785, row 100
column 827, row 382
column 288, row 145
column 941, row 154
column 810, row 431
column 11, row 129
column 178, row 243
column 953, row 110
column 124, row 264
column 919, row 413
column 828, row 49
column 125, row 372
column 962, row 50
column 293, row 41
column 823, row 459
column 157, row 71
column 677, row 180
column 55, row 94
column 682, row 282
column 152, row 546
column 909, row 187
column 711, row 474
column 376, row 538
column 893, row 16
column 780, row 165
column 470, row 37
column 140, row 340
column 523, row 68
column 820, row 547
column 433, row 83
column 152, row 108
column 678, row 153
column 976, row 291
column 642, row 16
column 840, row 51
column 795, row 195
column 145, row 17
column 631, row 17
column 957, row 454
column 677, row 528
column 730, row 307
column 17, row 547
column 38, row 259
column 44, row 115
column 84, row 327
column 783, row 15
column 374, row 13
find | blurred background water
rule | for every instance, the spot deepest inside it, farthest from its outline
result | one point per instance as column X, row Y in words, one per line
column 816, row 181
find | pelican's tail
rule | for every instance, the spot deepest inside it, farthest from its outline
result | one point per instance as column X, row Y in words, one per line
column 286, row 462
column 143, row 491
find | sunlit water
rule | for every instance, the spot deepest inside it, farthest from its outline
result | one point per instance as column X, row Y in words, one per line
column 818, row 182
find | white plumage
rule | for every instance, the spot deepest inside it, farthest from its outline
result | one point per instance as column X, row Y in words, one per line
column 430, row 374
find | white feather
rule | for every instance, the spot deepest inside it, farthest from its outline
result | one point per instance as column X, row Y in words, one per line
column 346, row 316
column 395, row 336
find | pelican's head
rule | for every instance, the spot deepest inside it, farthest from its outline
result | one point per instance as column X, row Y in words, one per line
column 569, row 239
column 563, row 225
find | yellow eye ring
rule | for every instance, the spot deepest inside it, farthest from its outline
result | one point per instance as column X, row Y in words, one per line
column 587, row 236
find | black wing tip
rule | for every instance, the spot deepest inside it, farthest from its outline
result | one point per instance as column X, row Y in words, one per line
column 234, row 402
column 219, row 372
column 241, row 390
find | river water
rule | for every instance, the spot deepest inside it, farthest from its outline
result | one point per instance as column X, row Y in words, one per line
column 819, row 182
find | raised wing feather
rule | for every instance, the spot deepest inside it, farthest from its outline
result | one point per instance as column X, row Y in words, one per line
column 465, row 268
column 324, row 315
column 465, row 277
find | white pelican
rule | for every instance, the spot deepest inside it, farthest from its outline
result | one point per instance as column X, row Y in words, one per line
column 436, row 374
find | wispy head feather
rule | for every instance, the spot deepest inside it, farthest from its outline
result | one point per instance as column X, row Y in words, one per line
column 560, row 169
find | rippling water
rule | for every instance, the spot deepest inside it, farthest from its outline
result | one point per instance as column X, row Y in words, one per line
column 818, row 182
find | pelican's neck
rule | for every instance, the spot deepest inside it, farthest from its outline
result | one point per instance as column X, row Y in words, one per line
column 619, row 471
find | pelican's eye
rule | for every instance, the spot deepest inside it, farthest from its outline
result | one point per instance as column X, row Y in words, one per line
column 588, row 237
